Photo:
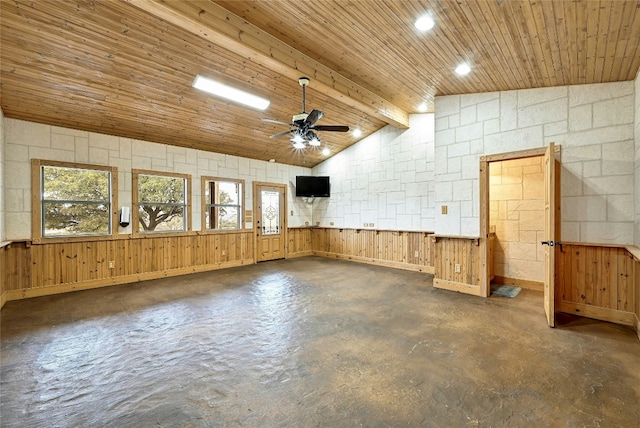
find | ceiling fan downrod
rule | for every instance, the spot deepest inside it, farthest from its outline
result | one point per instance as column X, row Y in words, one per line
column 304, row 81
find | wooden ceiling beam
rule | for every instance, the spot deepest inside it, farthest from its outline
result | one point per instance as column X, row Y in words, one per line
column 216, row 24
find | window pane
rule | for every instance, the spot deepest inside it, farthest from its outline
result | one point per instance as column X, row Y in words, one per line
column 152, row 188
column 162, row 203
column 75, row 201
column 75, row 219
column 223, row 204
column 228, row 193
column 228, row 218
column 162, row 218
column 270, row 212
column 72, row 184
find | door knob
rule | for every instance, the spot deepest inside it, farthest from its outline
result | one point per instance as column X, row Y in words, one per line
column 552, row 243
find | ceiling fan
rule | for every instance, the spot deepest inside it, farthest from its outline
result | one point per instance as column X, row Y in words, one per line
column 304, row 124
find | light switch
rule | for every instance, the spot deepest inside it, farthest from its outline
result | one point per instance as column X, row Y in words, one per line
column 445, row 209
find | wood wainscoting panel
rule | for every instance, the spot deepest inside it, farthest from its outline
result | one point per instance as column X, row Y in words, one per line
column 400, row 249
column 15, row 264
column 597, row 281
column 457, row 264
column 299, row 242
column 50, row 268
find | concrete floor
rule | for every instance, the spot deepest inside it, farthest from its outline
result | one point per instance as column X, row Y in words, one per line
column 309, row 342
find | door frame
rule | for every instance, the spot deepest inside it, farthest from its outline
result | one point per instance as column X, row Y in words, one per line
column 256, row 203
column 549, row 235
column 485, row 289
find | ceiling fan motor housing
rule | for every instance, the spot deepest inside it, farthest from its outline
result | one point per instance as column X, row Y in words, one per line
column 299, row 117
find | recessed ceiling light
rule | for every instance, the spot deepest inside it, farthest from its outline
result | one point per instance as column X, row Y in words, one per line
column 424, row 23
column 230, row 93
column 326, row 151
column 357, row 132
column 463, row 69
column 422, row 107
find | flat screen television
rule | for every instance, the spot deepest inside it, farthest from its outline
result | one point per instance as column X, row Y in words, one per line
column 308, row 186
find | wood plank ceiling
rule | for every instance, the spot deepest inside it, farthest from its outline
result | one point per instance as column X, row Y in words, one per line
column 125, row 67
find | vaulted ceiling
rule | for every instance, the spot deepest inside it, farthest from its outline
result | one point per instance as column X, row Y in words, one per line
column 125, row 68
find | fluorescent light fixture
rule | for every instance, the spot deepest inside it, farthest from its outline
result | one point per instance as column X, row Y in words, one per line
column 357, row 132
column 463, row 69
column 230, row 93
column 326, row 151
column 422, row 107
column 424, row 23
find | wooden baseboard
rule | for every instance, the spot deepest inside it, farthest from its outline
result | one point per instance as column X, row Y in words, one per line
column 377, row 262
column 522, row 283
column 603, row 314
column 300, row 254
column 460, row 287
column 118, row 280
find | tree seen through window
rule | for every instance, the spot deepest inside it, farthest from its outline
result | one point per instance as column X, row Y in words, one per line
column 75, row 201
column 161, row 203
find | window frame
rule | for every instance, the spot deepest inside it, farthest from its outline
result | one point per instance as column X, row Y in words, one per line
column 135, row 203
column 37, row 193
column 203, row 221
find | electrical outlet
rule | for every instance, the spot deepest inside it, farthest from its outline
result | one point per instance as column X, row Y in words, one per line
column 224, row 252
column 444, row 209
column 112, row 264
column 366, row 225
column 456, row 268
column 291, row 212
column 370, row 224
column 330, row 223
column 416, row 254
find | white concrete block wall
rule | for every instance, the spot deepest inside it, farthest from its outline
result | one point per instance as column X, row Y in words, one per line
column 26, row 140
column 594, row 124
column 2, row 197
column 386, row 179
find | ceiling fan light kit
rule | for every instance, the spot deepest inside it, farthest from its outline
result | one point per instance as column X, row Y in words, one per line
column 304, row 124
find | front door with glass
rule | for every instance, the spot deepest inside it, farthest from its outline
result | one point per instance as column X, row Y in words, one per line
column 270, row 220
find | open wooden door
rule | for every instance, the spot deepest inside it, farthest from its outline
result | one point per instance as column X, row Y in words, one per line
column 549, row 234
column 269, row 200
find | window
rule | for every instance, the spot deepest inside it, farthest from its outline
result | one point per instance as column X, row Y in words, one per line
column 222, row 203
column 74, row 200
column 161, row 201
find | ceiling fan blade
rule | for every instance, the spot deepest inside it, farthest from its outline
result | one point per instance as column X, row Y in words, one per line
column 334, row 128
column 282, row 134
column 313, row 117
column 277, row 121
